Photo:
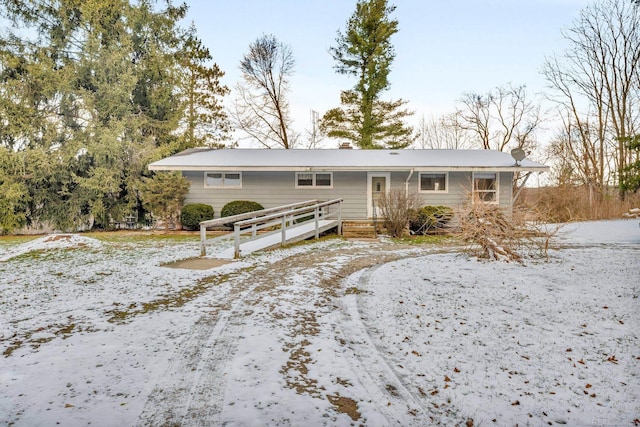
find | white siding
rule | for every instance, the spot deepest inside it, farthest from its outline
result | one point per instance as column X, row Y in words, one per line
column 272, row 189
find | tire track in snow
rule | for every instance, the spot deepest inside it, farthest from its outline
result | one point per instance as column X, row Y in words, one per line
column 203, row 360
column 201, row 364
column 372, row 368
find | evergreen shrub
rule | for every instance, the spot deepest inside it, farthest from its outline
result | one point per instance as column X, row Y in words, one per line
column 239, row 207
column 194, row 213
column 429, row 218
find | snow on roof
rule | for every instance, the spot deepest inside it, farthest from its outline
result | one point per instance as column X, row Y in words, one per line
column 340, row 159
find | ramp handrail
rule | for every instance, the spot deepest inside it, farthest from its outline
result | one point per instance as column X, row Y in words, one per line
column 234, row 218
column 285, row 220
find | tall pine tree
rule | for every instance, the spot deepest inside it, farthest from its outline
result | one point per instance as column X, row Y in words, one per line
column 205, row 120
column 365, row 51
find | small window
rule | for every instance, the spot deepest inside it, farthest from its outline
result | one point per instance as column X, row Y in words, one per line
column 433, row 182
column 485, row 186
column 223, row 179
column 305, row 180
column 323, row 180
column 232, row 179
column 213, row 179
column 314, row 180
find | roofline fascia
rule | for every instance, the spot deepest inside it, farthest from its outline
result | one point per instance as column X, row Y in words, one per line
column 153, row 167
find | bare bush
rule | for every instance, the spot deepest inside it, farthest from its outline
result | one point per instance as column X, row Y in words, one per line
column 577, row 203
column 396, row 206
column 492, row 234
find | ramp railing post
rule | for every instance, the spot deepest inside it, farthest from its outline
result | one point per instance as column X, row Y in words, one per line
column 340, row 218
column 236, row 244
column 317, row 220
column 203, row 239
column 284, row 230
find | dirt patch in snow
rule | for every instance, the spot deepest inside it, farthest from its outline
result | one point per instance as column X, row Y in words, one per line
column 198, row 263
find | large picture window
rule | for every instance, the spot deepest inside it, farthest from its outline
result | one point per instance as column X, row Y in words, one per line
column 223, row 179
column 485, row 186
column 314, row 180
column 433, row 182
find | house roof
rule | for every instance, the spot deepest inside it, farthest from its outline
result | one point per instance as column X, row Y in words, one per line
column 342, row 160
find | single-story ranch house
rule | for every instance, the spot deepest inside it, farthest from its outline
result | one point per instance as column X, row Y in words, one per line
column 280, row 177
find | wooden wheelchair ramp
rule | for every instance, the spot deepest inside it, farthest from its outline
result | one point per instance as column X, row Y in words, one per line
column 293, row 234
column 270, row 228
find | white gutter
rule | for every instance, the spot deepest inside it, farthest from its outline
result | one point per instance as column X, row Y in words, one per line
column 406, row 183
column 220, row 168
column 524, row 181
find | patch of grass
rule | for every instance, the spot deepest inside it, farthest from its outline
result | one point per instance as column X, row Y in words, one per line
column 36, row 254
column 354, row 291
column 41, row 255
column 27, row 338
column 16, row 344
column 322, row 238
column 16, row 240
column 429, row 239
column 142, row 236
column 175, row 300
column 345, row 405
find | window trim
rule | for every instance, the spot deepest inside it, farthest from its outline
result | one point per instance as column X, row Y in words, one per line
column 446, row 183
column 496, row 190
column 224, row 185
column 313, row 180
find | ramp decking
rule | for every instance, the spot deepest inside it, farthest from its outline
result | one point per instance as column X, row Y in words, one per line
column 277, row 226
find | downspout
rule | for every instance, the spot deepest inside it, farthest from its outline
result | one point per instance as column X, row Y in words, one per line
column 517, row 195
column 406, row 183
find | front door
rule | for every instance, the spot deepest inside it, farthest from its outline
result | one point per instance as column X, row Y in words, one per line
column 378, row 184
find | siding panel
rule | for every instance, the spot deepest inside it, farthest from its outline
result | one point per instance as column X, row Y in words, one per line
column 273, row 189
column 278, row 188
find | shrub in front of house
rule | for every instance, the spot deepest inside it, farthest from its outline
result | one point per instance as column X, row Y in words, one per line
column 194, row 213
column 428, row 219
column 239, row 207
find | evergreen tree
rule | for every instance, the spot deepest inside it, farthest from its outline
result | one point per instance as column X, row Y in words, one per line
column 13, row 194
column 365, row 51
column 205, row 119
column 90, row 93
column 163, row 195
column 630, row 180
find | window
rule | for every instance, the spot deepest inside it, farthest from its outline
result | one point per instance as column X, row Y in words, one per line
column 223, row 179
column 433, row 182
column 305, row 180
column 314, row 180
column 232, row 179
column 323, row 180
column 485, row 186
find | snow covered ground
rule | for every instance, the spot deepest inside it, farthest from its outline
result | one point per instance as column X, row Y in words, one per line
column 98, row 330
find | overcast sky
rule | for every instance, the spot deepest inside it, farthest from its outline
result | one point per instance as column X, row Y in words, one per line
column 443, row 48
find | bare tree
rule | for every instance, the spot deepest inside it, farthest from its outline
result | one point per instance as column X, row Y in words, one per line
column 500, row 119
column 444, row 132
column 580, row 156
column 597, row 80
column 262, row 107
